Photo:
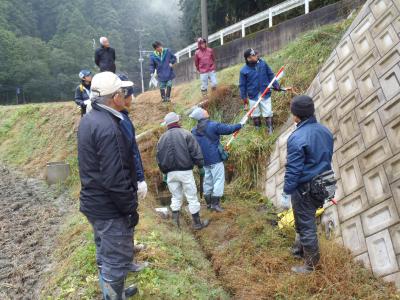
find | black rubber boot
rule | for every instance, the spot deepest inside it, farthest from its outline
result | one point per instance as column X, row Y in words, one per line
column 311, row 259
column 204, row 93
column 137, row 267
column 197, row 223
column 175, row 217
column 297, row 248
column 257, row 122
column 215, row 204
column 168, row 95
column 269, row 123
column 162, row 92
column 208, row 200
column 114, row 290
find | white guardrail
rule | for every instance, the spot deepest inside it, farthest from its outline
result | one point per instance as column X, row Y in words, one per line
column 242, row 25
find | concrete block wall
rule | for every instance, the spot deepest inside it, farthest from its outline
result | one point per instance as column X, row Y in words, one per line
column 357, row 95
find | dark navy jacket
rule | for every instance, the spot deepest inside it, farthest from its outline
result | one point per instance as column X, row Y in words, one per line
column 105, row 59
column 309, row 153
column 255, row 79
column 207, row 134
column 129, row 130
column 161, row 64
column 106, row 167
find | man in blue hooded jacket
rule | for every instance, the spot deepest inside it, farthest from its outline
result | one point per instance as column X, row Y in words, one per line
column 309, row 154
column 207, row 134
column 162, row 60
column 255, row 76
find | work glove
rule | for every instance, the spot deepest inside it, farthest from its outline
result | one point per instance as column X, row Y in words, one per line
column 246, row 104
column 165, row 178
column 142, row 189
column 170, row 65
column 88, row 104
column 202, row 172
column 285, row 200
column 133, row 219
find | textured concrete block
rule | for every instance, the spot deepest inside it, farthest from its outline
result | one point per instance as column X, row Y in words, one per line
column 379, row 217
column 330, row 121
column 348, row 104
column 335, row 165
column 381, row 254
column 379, row 7
column 283, row 156
column 372, row 130
column 352, row 205
column 363, row 259
column 386, row 19
column 395, row 277
column 328, row 104
column 396, row 24
column 339, row 193
column 393, row 134
column 351, row 177
column 273, row 167
column 329, row 67
column 274, row 153
column 332, row 214
column 395, row 235
column 347, row 84
column 375, row 155
column 377, row 185
column 353, row 235
column 345, row 48
column 337, row 141
column 361, row 28
column 350, row 150
column 315, row 87
column 368, row 83
column 349, row 126
column 392, row 168
column 346, row 65
column 395, row 187
column 366, row 62
column 388, row 61
column 278, row 193
column 370, row 105
column 317, row 100
column 329, row 85
column 390, row 83
column 364, row 45
column 270, row 187
column 285, row 135
column 386, row 40
column 390, row 110
column 280, row 176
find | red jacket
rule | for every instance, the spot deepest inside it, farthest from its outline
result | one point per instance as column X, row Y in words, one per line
column 204, row 60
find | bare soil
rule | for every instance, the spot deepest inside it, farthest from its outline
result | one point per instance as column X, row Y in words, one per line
column 30, row 215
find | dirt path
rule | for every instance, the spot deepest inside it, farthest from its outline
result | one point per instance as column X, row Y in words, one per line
column 30, row 215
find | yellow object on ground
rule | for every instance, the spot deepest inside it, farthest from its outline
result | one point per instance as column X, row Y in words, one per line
column 286, row 218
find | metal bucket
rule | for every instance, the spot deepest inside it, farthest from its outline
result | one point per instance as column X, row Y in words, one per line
column 57, row 172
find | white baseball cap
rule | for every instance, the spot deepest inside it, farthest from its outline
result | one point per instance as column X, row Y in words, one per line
column 107, row 83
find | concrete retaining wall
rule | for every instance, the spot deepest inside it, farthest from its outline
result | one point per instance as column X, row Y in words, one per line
column 271, row 39
column 357, row 95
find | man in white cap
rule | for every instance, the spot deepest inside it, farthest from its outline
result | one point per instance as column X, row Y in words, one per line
column 177, row 153
column 108, row 195
column 104, row 56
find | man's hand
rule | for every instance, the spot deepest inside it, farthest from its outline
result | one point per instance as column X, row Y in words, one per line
column 202, row 172
column 170, row 65
column 285, row 201
column 133, row 219
column 86, row 102
column 142, row 190
column 246, row 104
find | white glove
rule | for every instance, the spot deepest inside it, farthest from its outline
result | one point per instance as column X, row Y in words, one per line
column 142, row 189
column 88, row 104
column 170, row 65
column 285, row 201
column 153, row 80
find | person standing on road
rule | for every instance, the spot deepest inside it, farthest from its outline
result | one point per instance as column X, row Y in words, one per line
column 161, row 61
column 309, row 154
column 255, row 76
column 104, row 56
column 82, row 91
column 177, row 153
column 108, row 196
column 204, row 61
column 207, row 134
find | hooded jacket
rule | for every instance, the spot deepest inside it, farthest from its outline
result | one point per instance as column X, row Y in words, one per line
column 204, row 59
column 207, row 134
column 309, row 153
column 105, row 59
column 254, row 79
column 160, row 62
column 178, row 150
column 106, row 166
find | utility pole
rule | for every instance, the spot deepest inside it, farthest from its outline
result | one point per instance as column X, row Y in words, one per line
column 141, row 59
column 204, row 20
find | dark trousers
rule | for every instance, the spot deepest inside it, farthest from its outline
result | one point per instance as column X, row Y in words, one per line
column 304, row 217
column 114, row 247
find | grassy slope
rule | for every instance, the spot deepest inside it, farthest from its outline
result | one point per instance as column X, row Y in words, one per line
column 249, row 256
